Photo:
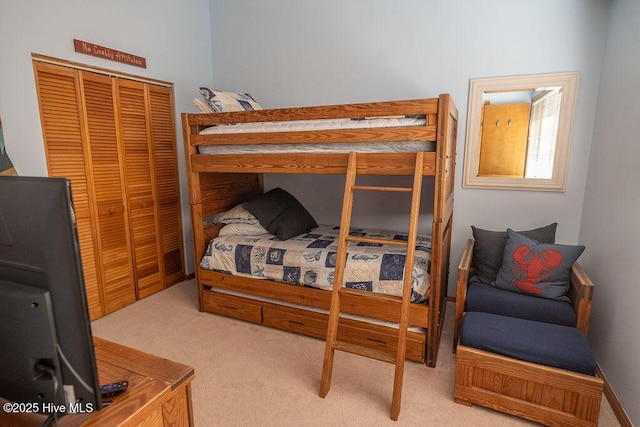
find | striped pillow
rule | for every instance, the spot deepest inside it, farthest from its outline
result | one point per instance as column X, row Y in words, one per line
column 222, row 102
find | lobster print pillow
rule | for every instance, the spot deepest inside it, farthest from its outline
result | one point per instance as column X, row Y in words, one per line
column 489, row 248
column 538, row 269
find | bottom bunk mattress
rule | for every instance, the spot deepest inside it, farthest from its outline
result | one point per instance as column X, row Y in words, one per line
column 309, row 260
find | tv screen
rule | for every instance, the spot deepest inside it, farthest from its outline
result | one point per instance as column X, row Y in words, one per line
column 47, row 356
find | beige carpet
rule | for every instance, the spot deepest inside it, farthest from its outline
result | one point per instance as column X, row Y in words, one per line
column 249, row 375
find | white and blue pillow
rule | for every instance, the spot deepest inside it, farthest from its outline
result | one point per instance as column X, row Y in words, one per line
column 223, row 102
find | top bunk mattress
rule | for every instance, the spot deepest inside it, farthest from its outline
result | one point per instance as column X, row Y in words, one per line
column 314, row 126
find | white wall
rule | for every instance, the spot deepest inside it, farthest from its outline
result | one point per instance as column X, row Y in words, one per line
column 173, row 36
column 292, row 52
column 610, row 226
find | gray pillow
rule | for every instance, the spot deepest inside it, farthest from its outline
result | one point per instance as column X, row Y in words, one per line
column 489, row 248
column 280, row 213
column 537, row 269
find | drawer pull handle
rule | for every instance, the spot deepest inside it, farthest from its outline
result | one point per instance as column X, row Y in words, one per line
column 228, row 307
column 293, row 322
column 377, row 341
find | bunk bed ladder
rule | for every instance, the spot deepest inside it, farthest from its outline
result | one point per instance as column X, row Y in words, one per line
column 332, row 343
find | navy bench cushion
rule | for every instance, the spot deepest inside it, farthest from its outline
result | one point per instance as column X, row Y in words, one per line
column 546, row 344
column 488, row 299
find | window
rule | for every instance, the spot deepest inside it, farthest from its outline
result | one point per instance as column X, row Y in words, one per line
column 543, row 129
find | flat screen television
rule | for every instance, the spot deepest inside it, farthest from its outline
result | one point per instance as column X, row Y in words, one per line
column 47, row 358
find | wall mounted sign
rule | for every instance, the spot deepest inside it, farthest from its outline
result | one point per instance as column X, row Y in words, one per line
column 108, row 53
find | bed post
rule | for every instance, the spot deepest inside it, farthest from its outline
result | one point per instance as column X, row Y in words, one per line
column 442, row 222
column 211, row 193
column 195, row 205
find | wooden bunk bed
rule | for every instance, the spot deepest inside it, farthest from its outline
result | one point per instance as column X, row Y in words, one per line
column 221, row 181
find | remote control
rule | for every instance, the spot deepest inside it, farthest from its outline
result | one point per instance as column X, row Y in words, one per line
column 113, row 389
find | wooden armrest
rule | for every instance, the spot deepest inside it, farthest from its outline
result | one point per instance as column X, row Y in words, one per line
column 581, row 294
column 464, row 266
column 464, row 270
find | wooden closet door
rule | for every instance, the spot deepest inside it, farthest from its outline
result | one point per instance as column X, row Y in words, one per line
column 62, row 128
column 140, row 187
column 166, row 173
column 504, row 140
column 112, row 237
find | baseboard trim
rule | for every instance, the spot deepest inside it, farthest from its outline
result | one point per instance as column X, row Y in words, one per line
column 616, row 406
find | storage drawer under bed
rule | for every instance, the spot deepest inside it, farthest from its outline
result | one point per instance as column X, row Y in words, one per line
column 312, row 323
column 232, row 306
column 367, row 334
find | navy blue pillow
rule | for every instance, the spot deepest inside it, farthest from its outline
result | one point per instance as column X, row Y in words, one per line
column 535, row 268
column 280, row 213
column 489, row 299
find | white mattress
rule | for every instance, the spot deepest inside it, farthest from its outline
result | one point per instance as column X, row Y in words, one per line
column 317, row 125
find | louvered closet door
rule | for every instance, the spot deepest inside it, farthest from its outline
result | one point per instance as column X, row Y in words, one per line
column 62, row 127
column 112, row 237
column 140, row 187
column 166, row 171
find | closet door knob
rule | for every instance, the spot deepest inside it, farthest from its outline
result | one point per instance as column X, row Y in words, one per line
column 112, row 210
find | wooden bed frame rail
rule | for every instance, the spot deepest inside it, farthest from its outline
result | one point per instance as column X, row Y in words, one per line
column 428, row 107
column 220, row 182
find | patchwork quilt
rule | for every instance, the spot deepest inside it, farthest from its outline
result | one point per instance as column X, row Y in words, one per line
column 309, row 260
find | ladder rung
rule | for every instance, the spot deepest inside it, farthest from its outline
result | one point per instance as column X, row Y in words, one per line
column 383, row 355
column 362, row 239
column 393, row 189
